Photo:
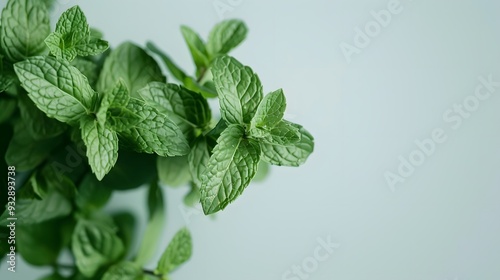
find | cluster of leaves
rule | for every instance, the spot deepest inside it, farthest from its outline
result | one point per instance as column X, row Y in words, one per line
column 82, row 121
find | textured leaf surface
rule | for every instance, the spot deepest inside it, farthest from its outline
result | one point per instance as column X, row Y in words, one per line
column 239, row 89
column 38, row 124
column 178, row 251
column 56, row 88
column 24, row 26
column 271, row 110
column 102, row 146
column 124, row 271
column 292, row 154
column 94, row 245
column 72, row 37
column 230, row 169
column 155, row 133
column 131, row 64
column 225, row 36
column 188, row 107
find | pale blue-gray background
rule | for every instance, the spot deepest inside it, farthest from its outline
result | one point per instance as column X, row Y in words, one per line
column 440, row 224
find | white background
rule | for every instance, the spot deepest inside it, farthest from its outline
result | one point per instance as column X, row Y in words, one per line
column 440, row 224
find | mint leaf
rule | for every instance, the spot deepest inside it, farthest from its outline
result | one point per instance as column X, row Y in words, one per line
column 173, row 171
column 178, row 251
column 284, row 133
column 240, row 90
column 92, row 194
column 6, row 80
column 196, row 47
column 37, row 123
column 32, row 211
column 72, row 37
column 155, row 133
column 66, row 97
column 102, row 146
column 26, row 153
column 94, row 245
column 122, row 119
column 124, row 271
column 131, row 64
column 207, row 90
column 225, row 36
column 88, row 68
column 176, row 71
column 155, row 225
column 198, row 158
column 39, row 244
column 188, row 109
column 230, row 169
column 24, row 26
column 116, row 97
column 271, row 110
column 291, row 154
column 262, row 172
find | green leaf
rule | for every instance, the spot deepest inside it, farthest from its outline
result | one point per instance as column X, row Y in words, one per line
column 88, row 68
column 271, row 110
column 72, row 37
column 24, row 26
column 95, row 244
column 230, row 169
column 176, row 71
column 92, row 194
column 292, row 154
column 56, row 88
column 225, row 36
column 131, row 64
column 122, row 119
column 178, row 251
column 39, row 244
column 284, row 133
column 189, row 109
column 116, row 97
column 196, row 47
column 240, row 90
column 26, row 153
column 207, row 90
column 155, row 225
column 262, row 171
column 155, row 132
column 124, row 271
column 102, row 146
column 173, row 171
column 5, row 81
column 37, row 123
column 198, row 159
column 32, row 211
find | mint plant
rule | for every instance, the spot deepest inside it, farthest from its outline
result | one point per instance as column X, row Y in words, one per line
column 81, row 120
